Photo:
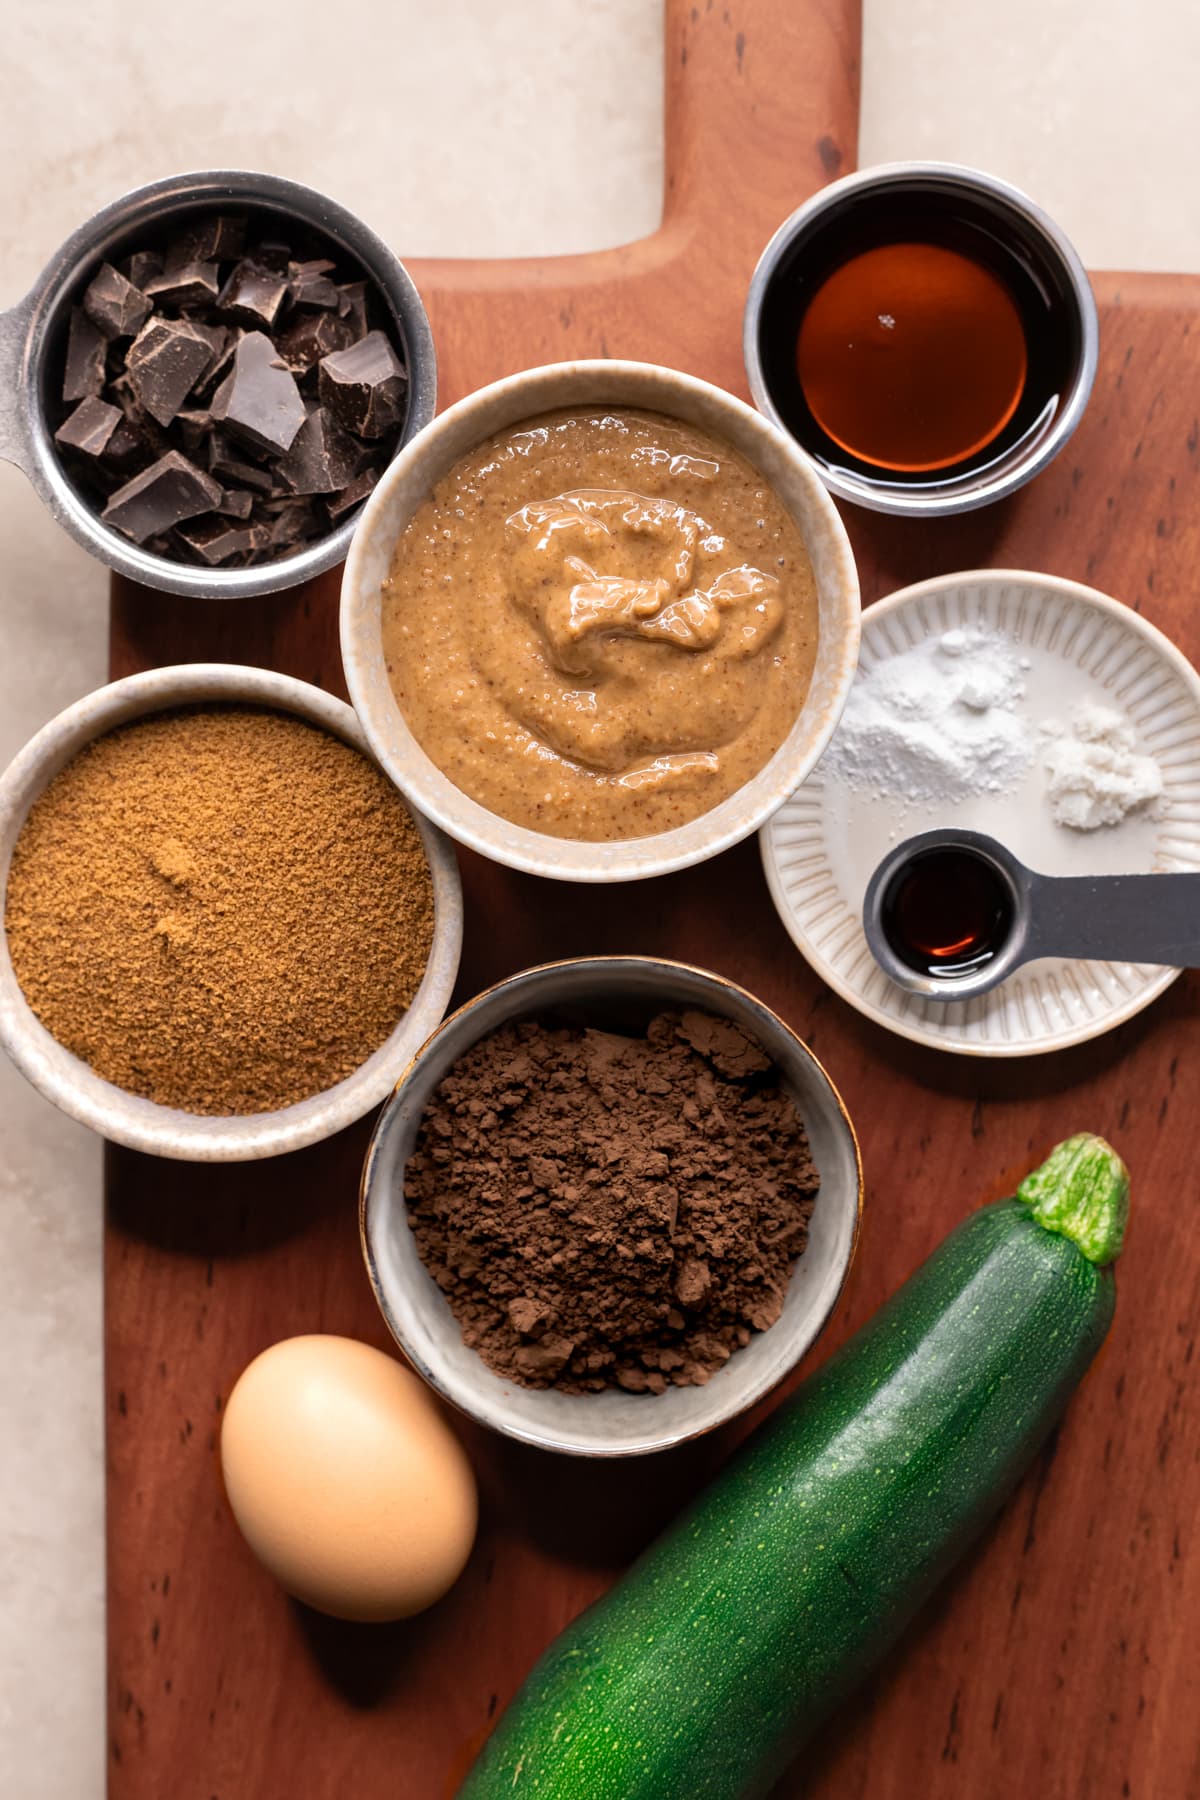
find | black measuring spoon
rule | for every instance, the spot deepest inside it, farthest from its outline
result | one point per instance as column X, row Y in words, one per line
column 952, row 913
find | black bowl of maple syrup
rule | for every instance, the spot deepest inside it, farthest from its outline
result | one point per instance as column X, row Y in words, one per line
column 925, row 333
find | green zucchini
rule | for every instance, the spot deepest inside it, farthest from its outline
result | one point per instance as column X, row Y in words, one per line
column 698, row 1676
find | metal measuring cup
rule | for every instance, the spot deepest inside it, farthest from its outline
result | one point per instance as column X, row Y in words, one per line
column 1013, row 218
column 1106, row 918
column 33, row 335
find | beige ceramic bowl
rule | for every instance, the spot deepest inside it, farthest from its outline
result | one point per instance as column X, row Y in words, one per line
column 408, row 481
column 128, row 1118
column 619, row 993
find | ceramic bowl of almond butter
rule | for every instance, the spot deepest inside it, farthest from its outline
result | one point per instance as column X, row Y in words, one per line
column 599, row 620
column 225, row 933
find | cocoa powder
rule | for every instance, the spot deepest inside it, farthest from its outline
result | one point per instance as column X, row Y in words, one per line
column 603, row 1210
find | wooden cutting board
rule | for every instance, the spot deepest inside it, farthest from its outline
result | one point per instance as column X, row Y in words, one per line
column 1058, row 1662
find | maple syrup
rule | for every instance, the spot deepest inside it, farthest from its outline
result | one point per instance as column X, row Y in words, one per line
column 947, row 913
column 911, row 357
column 915, row 336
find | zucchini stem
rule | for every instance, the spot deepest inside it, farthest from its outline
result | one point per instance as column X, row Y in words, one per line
column 1081, row 1191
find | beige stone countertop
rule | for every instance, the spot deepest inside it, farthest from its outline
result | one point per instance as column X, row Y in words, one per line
column 431, row 122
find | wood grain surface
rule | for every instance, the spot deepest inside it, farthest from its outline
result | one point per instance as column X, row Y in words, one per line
column 1059, row 1661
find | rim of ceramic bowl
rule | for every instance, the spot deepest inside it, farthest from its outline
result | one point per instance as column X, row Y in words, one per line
column 30, row 331
column 443, row 1048
column 130, row 1119
column 973, row 493
column 1188, row 677
column 462, row 427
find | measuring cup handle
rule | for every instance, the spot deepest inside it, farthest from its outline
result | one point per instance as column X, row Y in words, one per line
column 15, row 444
column 1118, row 918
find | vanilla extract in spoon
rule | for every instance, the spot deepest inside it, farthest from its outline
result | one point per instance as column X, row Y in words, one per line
column 950, row 914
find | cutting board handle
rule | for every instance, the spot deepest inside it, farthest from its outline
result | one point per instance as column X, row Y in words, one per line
column 765, row 85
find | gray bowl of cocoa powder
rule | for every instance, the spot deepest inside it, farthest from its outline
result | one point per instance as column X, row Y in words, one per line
column 430, row 1120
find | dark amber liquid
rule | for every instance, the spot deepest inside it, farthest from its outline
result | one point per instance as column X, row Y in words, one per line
column 912, row 356
column 913, row 337
column 948, row 913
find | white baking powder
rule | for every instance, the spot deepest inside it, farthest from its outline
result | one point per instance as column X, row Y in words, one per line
column 1095, row 774
column 939, row 722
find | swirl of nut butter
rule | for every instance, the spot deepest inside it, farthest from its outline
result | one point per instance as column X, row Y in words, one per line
column 643, row 630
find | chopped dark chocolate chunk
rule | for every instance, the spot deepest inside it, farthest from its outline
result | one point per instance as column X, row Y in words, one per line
column 150, row 437
column 195, row 428
column 212, row 378
column 309, row 284
column 352, row 306
column 365, row 387
column 323, row 457
column 89, row 428
column 231, row 465
column 195, row 414
column 237, row 504
column 293, row 523
column 259, row 400
column 165, row 361
column 84, row 371
column 356, row 491
column 273, row 254
column 311, row 336
column 214, row 238
column 194, row 284
column 253, row 293
column 215, row 541
column 126, row 446
column 143, row 266
column 121, row 391
column 116, row 308
column 169, row 490
column 104, row 475
column 215, row 336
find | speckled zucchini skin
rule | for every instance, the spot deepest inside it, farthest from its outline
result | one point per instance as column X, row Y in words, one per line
column 700, row 1673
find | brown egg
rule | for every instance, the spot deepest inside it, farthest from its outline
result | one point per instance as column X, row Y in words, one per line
column 345, row 1479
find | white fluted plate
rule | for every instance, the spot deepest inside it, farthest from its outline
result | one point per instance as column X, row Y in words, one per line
column 820, row 849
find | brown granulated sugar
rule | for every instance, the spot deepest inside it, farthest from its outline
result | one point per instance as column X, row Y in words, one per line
column 224, row 909
column 603, row 1210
